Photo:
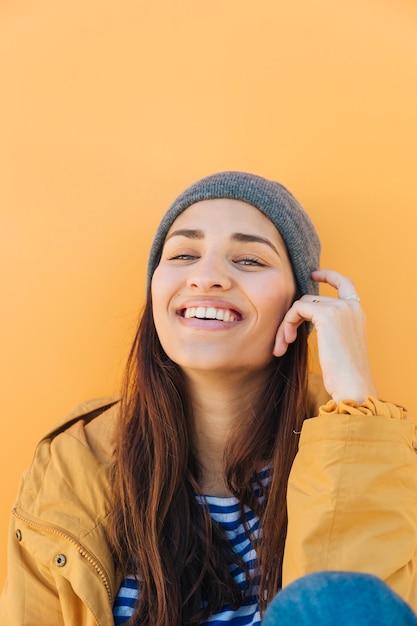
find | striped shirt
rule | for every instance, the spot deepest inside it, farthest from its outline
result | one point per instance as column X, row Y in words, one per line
column 226, row 512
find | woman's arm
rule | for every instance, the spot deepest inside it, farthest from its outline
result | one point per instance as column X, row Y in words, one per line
column 352, row 496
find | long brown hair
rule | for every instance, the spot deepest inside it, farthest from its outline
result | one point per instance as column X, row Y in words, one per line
column 160, row 533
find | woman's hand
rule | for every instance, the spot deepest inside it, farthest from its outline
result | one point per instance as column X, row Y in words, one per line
column 341, row 337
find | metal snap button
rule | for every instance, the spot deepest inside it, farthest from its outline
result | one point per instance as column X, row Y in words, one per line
column 18, row 535
column 60, row 560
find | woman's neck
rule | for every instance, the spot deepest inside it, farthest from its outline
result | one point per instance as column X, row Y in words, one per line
column 219, row 405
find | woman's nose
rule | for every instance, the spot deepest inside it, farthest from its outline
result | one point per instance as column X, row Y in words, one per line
column 208, row 273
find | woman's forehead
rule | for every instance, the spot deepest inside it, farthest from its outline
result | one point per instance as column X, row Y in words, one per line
column 224, row 212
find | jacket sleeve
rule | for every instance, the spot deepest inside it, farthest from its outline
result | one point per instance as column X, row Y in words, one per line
column 352, row 496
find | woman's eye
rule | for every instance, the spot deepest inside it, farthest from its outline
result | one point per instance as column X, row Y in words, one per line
column 251, row 261
column 183, row 257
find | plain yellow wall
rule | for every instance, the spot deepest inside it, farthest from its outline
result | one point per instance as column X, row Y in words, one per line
column 109, row 109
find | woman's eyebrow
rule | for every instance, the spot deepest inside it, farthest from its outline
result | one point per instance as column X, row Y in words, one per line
column 186, row 232
column 192, row 233
column 254, row 238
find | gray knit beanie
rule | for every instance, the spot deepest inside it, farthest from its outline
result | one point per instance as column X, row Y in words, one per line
column 272, row 199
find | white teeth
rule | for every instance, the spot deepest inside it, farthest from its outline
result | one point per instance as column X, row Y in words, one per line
column 210, row 313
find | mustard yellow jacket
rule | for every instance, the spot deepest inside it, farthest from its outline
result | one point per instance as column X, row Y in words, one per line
column 352, row 503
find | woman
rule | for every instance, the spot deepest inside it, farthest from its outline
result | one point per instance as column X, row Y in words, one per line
column 181, row 516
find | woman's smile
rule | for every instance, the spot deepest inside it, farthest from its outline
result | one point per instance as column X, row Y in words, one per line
column 198, row 312
column 209, row 313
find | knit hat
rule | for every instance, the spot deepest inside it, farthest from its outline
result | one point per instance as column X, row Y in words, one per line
column 272, row 199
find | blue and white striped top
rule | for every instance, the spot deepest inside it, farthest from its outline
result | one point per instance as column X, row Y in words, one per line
column 226, row 512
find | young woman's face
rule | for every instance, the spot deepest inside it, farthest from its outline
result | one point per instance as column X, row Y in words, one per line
column 222, row 287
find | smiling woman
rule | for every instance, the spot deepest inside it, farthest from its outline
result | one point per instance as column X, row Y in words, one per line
column 225, row 475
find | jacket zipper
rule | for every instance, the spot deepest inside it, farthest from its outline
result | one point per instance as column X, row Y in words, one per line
column 60, row 533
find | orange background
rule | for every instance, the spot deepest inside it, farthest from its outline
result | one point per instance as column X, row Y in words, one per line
column 109, row 109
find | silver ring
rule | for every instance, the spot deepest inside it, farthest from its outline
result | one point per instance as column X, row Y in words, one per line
column 353, row 297
column 316, row 300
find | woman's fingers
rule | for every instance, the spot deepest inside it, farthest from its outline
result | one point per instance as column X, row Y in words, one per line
column 341, row 337
column 299, row 313
column 343, row 284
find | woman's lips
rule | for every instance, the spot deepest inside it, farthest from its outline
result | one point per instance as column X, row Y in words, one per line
column 211, row 313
